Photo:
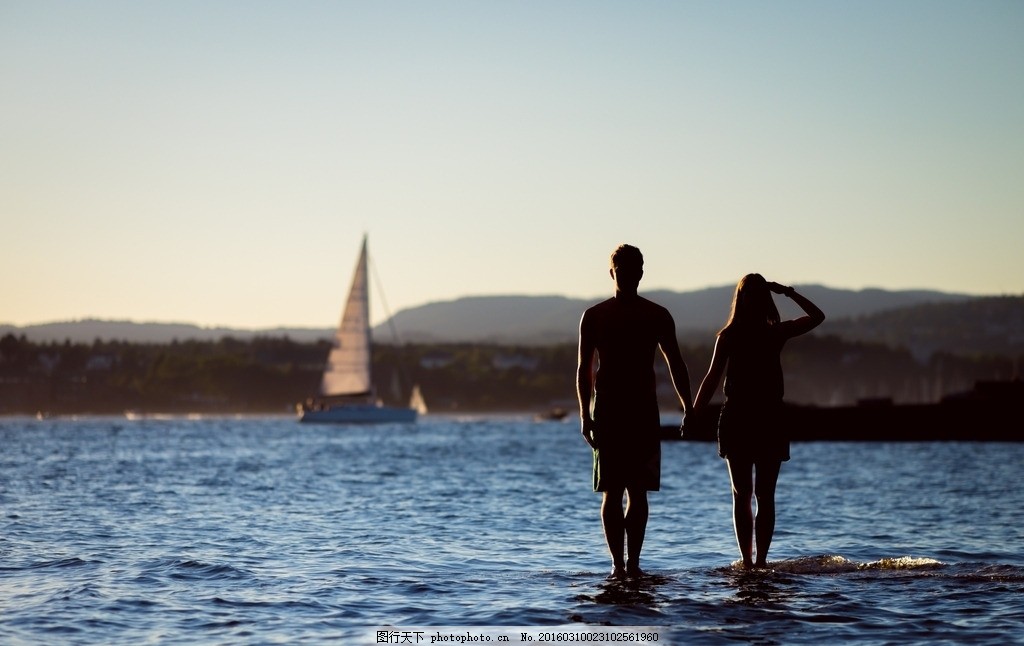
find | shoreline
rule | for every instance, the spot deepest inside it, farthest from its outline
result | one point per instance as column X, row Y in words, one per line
column 990, row 412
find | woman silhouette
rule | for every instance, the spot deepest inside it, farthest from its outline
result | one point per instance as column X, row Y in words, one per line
column 751, row 437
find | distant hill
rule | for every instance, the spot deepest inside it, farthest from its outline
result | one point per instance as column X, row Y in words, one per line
column 977, row 327
column 555, row 319
column 538, row 320
column 88, row 330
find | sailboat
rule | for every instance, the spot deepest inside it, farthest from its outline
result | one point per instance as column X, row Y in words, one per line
column 346, row 394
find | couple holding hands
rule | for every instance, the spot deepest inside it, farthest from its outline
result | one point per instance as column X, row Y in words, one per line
column 619, row 413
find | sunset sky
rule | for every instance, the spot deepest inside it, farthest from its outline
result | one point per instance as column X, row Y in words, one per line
column 218, row 162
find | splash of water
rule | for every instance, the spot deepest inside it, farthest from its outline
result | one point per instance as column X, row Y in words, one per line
column 837, row 564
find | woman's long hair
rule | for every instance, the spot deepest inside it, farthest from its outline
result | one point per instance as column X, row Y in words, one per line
column 752, row 305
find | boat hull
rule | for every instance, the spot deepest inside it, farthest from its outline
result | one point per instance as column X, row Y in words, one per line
column 359, row 414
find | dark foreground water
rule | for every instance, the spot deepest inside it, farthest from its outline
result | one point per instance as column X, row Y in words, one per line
column 239, row 531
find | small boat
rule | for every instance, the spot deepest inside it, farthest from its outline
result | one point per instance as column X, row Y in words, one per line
column 556, row 414
column 346, row 394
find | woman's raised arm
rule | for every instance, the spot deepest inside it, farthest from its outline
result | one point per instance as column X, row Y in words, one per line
column 804, row 324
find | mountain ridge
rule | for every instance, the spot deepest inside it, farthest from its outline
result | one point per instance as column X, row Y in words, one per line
column 512, row 319
column 555, row 319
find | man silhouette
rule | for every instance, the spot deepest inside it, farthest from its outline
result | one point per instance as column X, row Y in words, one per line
column 623, row 426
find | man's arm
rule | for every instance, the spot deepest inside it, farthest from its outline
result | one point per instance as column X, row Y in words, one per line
column 584, row 377
column 676, row 366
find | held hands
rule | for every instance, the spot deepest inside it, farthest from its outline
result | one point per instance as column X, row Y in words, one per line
column 691, row 425
column 698, row 423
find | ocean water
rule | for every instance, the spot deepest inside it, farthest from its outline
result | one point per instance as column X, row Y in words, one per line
column 261, row 530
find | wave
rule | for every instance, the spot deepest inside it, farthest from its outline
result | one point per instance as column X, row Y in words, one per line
column 61, row 563
column 834, row 563
column 837, row 564
column 181, row 569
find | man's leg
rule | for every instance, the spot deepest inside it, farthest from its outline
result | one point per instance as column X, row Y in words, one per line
column 614, row 528
column 637, row 511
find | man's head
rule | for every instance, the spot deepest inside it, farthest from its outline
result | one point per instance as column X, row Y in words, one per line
column 627, row 268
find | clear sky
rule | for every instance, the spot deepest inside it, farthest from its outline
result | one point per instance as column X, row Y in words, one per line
column 218, row 162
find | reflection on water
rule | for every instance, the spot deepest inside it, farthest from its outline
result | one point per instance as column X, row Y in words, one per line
column 761, row 587
column 630, row 591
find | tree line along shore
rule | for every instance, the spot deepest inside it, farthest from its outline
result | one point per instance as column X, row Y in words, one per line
column 272, row 374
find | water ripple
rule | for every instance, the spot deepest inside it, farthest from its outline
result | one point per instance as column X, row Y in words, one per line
column 264, row 531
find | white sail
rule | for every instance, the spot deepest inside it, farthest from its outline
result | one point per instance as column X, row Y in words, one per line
column 416, row 401
column 348, row 364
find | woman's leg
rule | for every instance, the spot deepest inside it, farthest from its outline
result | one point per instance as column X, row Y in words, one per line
column 741, row 479
column 766, row 475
